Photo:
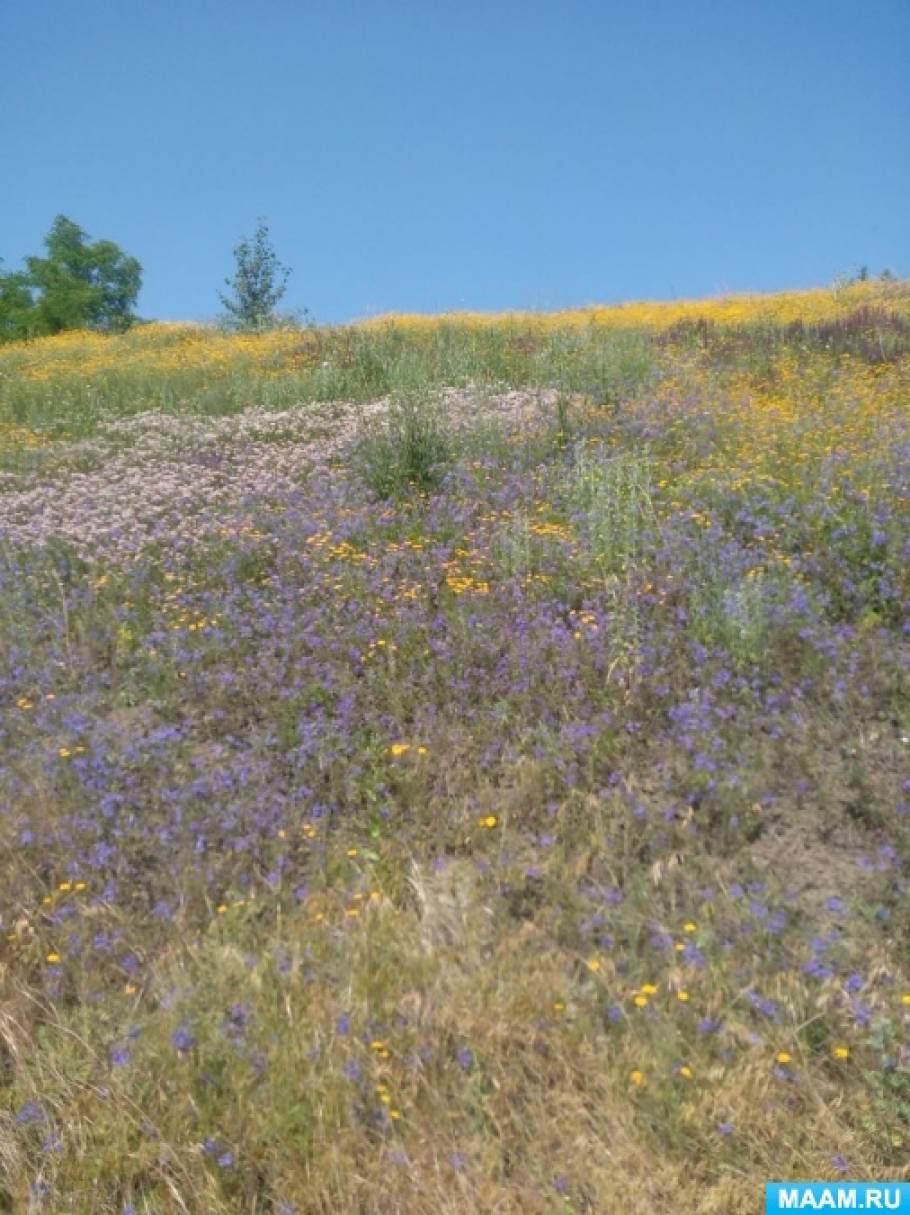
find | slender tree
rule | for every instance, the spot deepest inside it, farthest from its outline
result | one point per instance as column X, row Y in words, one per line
column 258, row 284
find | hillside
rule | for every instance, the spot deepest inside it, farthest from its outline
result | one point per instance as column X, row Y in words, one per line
column 457, row 764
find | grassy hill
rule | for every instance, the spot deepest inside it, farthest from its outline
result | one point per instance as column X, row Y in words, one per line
column 457, row 764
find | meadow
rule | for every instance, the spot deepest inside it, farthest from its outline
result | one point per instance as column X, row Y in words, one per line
column 457, row 764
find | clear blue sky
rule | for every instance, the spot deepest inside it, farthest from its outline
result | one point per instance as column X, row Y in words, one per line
column 423, row 155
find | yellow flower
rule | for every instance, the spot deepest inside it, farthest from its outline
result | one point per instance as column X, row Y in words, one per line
column 686, row 1072
column 641, row 1001
column 64, row 752
column 784, row 1056
column 636, row 1077
column 352, row 852
column 489, row 821
column 399, row 748
column 648, row 989
column 690, row 927
column 559, row 1006
column 593, row 964
column 683, row 996
column 53, row 957
column 905, row 998
column 65, row 886
column 841, row 1052
column 221, row 908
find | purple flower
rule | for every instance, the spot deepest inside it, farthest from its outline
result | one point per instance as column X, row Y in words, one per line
column 226, row 1160
column 120, row 1056
column 725, row 1128
column 29, row 1113
column 183, row 1039
column 465, row 1058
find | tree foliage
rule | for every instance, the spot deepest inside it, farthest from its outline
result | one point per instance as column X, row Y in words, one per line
column 77, row 285
column 258, row 284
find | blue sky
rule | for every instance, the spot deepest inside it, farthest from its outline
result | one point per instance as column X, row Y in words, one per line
column 462, row 154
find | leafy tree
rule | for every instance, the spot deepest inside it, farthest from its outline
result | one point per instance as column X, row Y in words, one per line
column 258, row 285
column 17, row 308
column 82, row 285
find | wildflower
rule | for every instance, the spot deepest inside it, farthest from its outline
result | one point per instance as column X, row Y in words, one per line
column 53, row 957
column 686, row 1072
column 841, row 1052
column 905, row 998
column 690, row 927
column 489, row 821
column 593, row 964
column 648, row 989
column 352, row 852
column 640, row 1001
column 183, row 1039
column 636, row 1077
column 559, row 1006
column 64, row 752
column 682, row 996
column 397, row 749
column 784, row 1056
column 725, row 1128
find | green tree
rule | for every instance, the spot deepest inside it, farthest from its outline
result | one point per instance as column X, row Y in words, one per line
column 17, row 308
column 258, row 284
column 82, row 285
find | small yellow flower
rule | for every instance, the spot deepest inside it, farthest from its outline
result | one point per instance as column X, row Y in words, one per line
column 81, row 886
column 422, row 751
column 65, row 886
column 352, row 913
column 24, row 703
column 489, row 821
column 784, row 1056
column 905, row 998
column 593, row 964
column 686, row 1072
column 690, row 927
column 64, row 752
column 636, row 1077
column 641, row 1001
column 559, row 1006
column 679, row 947
column 683, row 996
column 352, row 851
column 399, row 748
column 841, row 1052
column 648, row 989
column 394, row 1115
column 377, row 1045
column 129, row 989
column 53, row 957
